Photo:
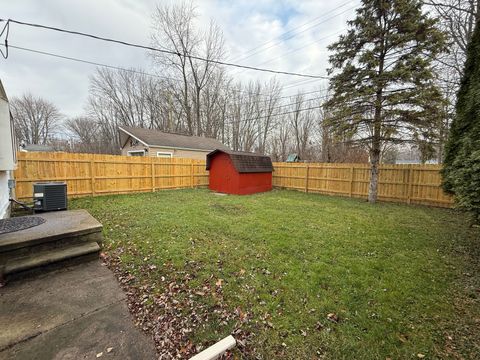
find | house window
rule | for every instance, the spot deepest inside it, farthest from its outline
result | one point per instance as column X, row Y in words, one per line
column 164, row 154
column 136, row 153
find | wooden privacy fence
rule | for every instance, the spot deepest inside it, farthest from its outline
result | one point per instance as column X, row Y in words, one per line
column 413, row 184
column 92, row 174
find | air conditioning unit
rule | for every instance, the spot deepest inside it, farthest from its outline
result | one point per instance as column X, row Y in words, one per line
column 49, row 196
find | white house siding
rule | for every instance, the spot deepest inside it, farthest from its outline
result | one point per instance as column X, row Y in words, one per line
column 4, row 195
column 7, row 153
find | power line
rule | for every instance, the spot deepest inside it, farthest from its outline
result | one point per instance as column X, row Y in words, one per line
column 133, row 70
column 280, row 37
column 148, row 74
column 273, row 115
column 169, row 52
column 302, row 47
column 308, row 28
column 295, row 50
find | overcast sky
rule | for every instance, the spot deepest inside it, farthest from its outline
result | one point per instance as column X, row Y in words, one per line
column 246, row 25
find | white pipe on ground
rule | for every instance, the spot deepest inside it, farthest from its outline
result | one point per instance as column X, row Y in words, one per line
column 216, row 350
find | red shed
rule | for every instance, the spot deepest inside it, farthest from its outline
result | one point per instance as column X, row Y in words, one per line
column 237, row 172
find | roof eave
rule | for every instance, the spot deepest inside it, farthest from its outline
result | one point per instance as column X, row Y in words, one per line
column 179, row 148
column 130, row 134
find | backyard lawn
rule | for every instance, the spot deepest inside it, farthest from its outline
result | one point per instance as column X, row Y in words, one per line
column 294, row 275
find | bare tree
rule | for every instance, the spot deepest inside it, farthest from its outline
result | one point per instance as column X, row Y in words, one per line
column 302, row 122
column 268, row 110
column 175, row 27
column 36, row 119
column 457, row 20
column 86, row 136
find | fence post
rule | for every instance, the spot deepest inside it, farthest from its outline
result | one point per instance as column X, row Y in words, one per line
column 92, row 174
column 191, row 172
column 152, row 172
column 307, row 170
column 410, row 183
column 352, row 169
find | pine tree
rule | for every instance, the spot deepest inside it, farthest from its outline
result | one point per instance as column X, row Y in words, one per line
column 382, row 83
column 461, row 174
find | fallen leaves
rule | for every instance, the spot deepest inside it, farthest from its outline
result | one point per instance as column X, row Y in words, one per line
column 333, row 317
column 170, row 309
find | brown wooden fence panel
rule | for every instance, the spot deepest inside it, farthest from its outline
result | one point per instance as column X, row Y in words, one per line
column 93, row 174
column 413, row 184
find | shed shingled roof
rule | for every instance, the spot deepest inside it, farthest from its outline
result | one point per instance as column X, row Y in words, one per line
column 245, row 162
column 160, row 138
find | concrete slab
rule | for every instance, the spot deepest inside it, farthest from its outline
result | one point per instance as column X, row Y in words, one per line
column 58, row 225
column 70, row 314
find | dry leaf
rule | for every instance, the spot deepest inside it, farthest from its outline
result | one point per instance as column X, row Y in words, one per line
column 332, row 317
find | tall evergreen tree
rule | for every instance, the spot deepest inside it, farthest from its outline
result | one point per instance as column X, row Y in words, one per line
column 461, row 174
column 382, row 82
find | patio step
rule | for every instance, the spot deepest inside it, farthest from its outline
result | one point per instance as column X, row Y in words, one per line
column 20, row 266
column 59, row 226
column 66, row 237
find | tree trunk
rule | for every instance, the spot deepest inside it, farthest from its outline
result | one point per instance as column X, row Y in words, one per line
column 197, row 112
column 375, row 150
column 373, row 187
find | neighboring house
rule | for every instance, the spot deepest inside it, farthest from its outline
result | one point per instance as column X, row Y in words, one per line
column 145, row 142
column 36, row 148
column 8, row 159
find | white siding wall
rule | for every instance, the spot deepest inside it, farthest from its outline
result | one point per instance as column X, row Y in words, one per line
column 4, row 195
column 7, row 153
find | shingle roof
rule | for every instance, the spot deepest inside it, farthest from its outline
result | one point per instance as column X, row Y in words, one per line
column 38, row 147
column 160, row 138
column 245, row 162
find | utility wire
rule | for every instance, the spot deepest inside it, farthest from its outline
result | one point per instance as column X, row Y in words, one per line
column 301, row 47
column 136, row 71
column 280, row 37
column 169, row 52
column 308, row 28
column 148, row 74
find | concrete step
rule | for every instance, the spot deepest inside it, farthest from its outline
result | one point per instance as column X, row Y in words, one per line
column 60, row 227
column 66, row 237
column 19, row 266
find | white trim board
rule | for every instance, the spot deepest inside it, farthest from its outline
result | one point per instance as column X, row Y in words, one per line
column 136, row 151
column 170, row 154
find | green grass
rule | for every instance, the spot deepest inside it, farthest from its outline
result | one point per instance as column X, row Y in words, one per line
column 398, row 277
